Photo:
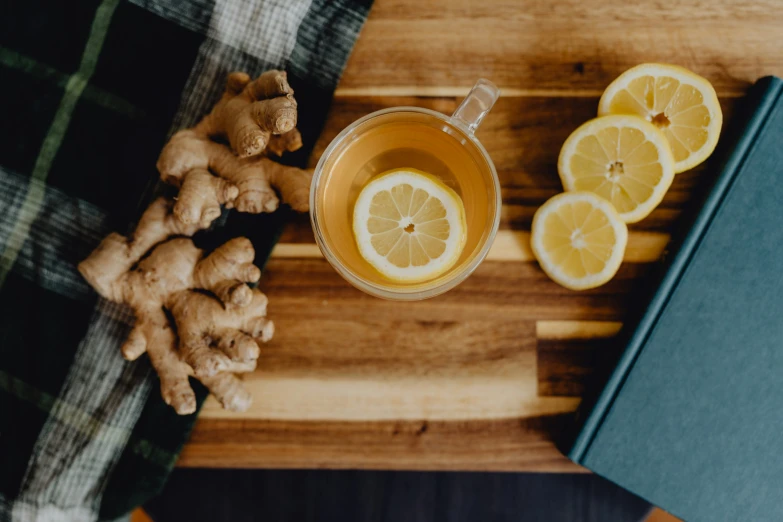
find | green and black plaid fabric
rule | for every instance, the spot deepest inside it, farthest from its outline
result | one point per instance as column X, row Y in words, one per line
column 90, row 92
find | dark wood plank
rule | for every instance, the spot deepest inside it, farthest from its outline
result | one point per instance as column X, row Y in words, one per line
column 305, row 288
column 502, row 445
column 382, row 347
column 565, row 367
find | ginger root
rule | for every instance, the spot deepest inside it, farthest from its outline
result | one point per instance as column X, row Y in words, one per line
column 218, row 319
column 254, row 116
column 249, row 112
column 195, row 314
column 247, row 184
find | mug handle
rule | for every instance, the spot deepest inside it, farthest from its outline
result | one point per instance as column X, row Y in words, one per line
column 476, row 105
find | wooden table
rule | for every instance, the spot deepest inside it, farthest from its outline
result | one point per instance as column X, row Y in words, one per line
column 483, row 377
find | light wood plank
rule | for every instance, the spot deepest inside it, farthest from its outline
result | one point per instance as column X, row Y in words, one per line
column 371, row 369
column 376, row 398
column 510, row 246
column 559, row 48
column 563, row 330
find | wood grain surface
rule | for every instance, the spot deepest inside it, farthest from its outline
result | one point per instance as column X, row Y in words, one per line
column 487, row 376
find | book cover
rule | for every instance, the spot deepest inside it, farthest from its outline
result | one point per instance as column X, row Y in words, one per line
column 691, row 419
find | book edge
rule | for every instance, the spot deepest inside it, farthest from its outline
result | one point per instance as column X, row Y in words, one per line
column 641, row 329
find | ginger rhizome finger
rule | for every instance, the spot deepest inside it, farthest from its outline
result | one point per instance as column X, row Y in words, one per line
column 248, row 117
column 218, row 320
column 247, row 184
column 116, row 254
column 257, row 118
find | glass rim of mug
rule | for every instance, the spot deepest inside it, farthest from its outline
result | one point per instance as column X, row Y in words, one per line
column 415, row 294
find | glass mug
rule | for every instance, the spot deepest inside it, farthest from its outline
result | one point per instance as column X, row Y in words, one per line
column 415, row 138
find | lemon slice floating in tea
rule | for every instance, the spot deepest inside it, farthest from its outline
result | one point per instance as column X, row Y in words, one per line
column 409, row 225
column 623, row 159
column 578, row 239
column 679, row 102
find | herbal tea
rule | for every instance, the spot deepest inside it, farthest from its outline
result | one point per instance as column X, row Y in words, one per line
column 419, row 144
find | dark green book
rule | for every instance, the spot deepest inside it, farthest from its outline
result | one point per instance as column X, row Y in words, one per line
column 691, row 419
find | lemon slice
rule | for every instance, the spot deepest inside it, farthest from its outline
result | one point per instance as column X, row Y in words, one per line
column 623, row 159
column 409, row 226
column 679, row 102
column 578, row 239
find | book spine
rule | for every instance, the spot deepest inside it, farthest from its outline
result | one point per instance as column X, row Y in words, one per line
column 761, row 98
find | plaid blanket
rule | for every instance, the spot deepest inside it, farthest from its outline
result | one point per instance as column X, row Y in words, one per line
column 91, row 91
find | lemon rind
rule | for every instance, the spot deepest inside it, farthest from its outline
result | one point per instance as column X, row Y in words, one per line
column 553, row 271
column 687, row 77
column 622, row 120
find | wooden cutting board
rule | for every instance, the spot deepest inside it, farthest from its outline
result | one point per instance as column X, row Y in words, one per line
column 485, row 376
